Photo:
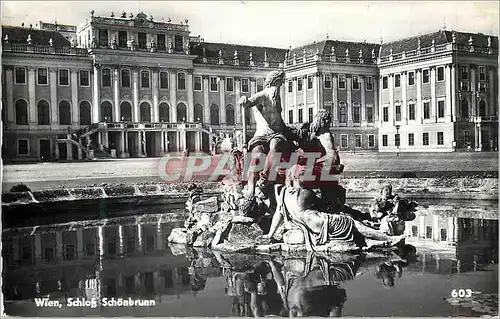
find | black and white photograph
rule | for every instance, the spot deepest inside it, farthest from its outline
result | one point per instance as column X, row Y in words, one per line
column 249, row 158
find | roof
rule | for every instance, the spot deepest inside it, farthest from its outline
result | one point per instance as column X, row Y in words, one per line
column 439, row 37
column 212, row 51
column 340, row 47
column 39, row 37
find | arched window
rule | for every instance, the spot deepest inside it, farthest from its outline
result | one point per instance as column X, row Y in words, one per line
column 198, row 113
column 181, row 112
column 21, row 112
column 106, row 112
column 85, row 116
column 164, row 112
column 230, row 114
column 43, row 113
column 482, row 108
column 64, row 113
column 145, row 109
column 126, row 111
column 464, row 108
column 214, row 114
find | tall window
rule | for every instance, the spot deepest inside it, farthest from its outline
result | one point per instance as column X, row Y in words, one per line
column 63, row 77
column 425, row 76
column 103, row 37
column 299, row 84
column 385, row 83
column 125, row 77
column 145, row 110
column 341, row 82
column 126, row 111
column 398, row 112
column 85, row 116
column 84, row 78
column 427, row 110
column 357, row 140
column 165, row 112
column 43, row 113
column 181, row 81
column 466, row 138
column 23, row 147
column 181, row 112
column 464, row 72
column 425, row 138
column 21, row 112
column 164, row 80
column 328, row 81
column 229, row 84
column 106, row 112
column 144, row 79
column 122, row 39
column 244, row 86
column 214, row 114
column 482, row 73
column 20, row 75
column 371, row 140
column 160, row 41
column 141, row 39
column 369, row 114
column 411, row 78
column 178, row 43
column 301, row 115
column 260, row 85
column 411, row 139
column 355, row 82
column 440, row 138
column 42, row 76
column 64, row 113
column 310, row 114
column 213, row 84
column 344, row 141
column 385, row 114
column 356, row 118
column 464, row 108
column 342, row 113
column 197, row 83
column 482, row 108
column 230, row 114
column 397, row 80
column 440, row 73
column 198, row 113
column 309, row 82
column 290, row 86
column 106, row 77
column 290, row 116
column 369, row 83
column 384, row 140
column 396, row 140
column 440, row 108
column 411, row 111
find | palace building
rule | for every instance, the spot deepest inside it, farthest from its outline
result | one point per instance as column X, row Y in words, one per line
column 132, row 86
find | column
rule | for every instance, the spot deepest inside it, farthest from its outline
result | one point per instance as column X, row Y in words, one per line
column 421, row 227
column 206, row 101
column 69, row 147
column 121, row 240
column 491, row 89
column 253, row 90
column 9, row 85
column 75, row 109
column 179, row 142
column 100, row 240
column 283, row 102
column 304, row 99
column 479, row 146
column 80, row 252
column 96, row 93
column 163, row 142
column 376, row 102
column 349, row 99
column 38, row 246
column 315, row 93
column 105, row 138
column 54, row 107
column 404, row 106
column 155, row 114
column 363, row 100
column 435, row 228
column 418, row 107
column 222, row 100
column 139, row 144
column 453, row 81
column 433, row 94
column 139, row 238
column 237, row 107
column 173, row 96
column 31, row 96
column 379, row 113
column 448, row 93
column 391, row 99
column 59, row 246
column 126, row 143
column 296, row 106
column 190, row 98
column 136, row 114
column 122, row 145
column 473, row 86
column 334, row 100
column 116, row 95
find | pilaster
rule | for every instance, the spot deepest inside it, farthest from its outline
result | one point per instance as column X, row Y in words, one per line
column 9, row 86
column 448, row 93
column 473, row 87
column 363, row 100
column 96, row 104
column 190, row 97
column 173, row 96
column 116, row 94
column 222, row 99
column 453, row 107
column 237, row 107
column 392, row 109
column 206, row 101
column 136, row 114
column 31, row 96
column 54, row 107
column 349, row 99
column 404, row 103
column 433, row 95
column 335, row 100
column 75, row 109
column 419, row 107
column 155, row 116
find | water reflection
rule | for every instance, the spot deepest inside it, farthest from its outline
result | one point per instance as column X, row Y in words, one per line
column 130, row 257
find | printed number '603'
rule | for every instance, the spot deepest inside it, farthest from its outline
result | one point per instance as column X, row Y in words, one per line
column 461, row 293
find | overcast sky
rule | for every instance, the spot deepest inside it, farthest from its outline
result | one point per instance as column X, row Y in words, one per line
column 279, row 23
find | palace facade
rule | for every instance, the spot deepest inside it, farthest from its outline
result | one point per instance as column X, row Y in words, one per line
column 131, row 86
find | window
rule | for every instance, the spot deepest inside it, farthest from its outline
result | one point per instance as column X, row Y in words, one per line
column 301, row 116
column 464, row 72
column 482, row 73
column 443, row 234
column 440, row 108
column 428, row 232
column 464, row 108
column 213, row 84
column 467, row 138
column 260, row 85
column 309, row 82
column 181, row 81
column 43, row 113
column 425, row 138
column 22, row 147
column 396, row 140
column 385, row 83
column 411, row 139
column 425, row 76
column 178, row 46
column 369, row 83
column 20, row 76
column 229, row 84
column 310, row 114
column 106, row 77
column 414, row 231
column 125, row 78
column 371, row 140
column 197, row 83
column 411, row 111
column 144, row 79
column 384, row 140
column 440, row 138
column 84, row 78
column 164, row 81
column 328, row 81
column 342, row 113
column 244, row 86
column 355, row 83
column 21, row 112
column 63, row 77
column 85, row 116
column 397, row 80
column 343, row 141
column 464, row 85
column 122, row 39
column 369, row 114
column 482, row 108
column 290, row 86
column 214, row 114
column 64, row 113
column 165, row 112
column 427, row 110
column 341, row 81
column 482, row 86
column 398, row 112
column 440, row 73
column 411, row 78
column 357, row 140
column 386, row 114
column 290, row 116
column 141, row 38
column 42, row 77
column 160, row 41
column 299, row 84
column 356, row 117
column 230, row 114
column 103, row 37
